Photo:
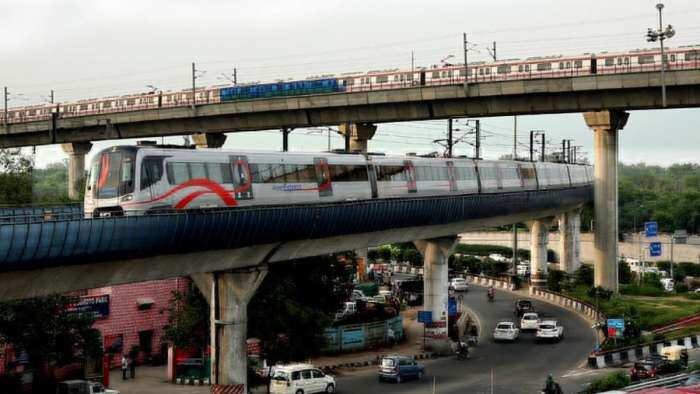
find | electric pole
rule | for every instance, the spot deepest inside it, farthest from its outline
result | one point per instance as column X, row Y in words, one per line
column 51, row 97
column 563, row 151
column 543, row 156
column 5, row 119
column 477, row 145
column 235, row 76
column 450, row 141
column 466, row 65
column 492, row 51
column 285, row 139
column 515, row 138
column 413, row 60
column 194, row 78
column 661, row 35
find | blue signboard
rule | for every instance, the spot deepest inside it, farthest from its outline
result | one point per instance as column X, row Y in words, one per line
column 452, row 307
column 654, row 249
column 425, row 317
column 98, row 306
column 651, row 229
column 617, row 323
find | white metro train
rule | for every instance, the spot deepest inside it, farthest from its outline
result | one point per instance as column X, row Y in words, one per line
column 134, row 180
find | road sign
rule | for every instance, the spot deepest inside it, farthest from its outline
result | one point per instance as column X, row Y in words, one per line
column 654, row 249
column 651, row 229
column 616, row 327
column 425, row 317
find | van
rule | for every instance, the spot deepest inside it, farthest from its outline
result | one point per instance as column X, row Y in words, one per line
column 300, row 379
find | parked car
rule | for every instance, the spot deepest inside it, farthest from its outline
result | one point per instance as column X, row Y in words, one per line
column 83, row 387
column 358, row 295
column 506, row 331
column 399, row 368
column 549, row 330
column 349, row 308
column 529, row 321
column 523, row 306
column 459, row 284
column 301, row 378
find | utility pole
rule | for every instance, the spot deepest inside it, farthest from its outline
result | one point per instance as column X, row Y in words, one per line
column 329, row 139
column 466, row 66
column 532, row 141
column 661, row 35
column 285, row 139
column 51, row 97
column 515, row 249
column 515, row 138
column 235, row 76
column 477, row 145
column 194, row 78
column 492, row 51
column 450, row 141
column 5, row 95
column 413, row 60
column 543, row 156
column 563, row 151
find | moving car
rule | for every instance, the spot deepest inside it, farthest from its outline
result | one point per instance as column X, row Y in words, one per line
column 301, row 379
column 529, row 321
column 654, row 365
column 522, row 306
column 549, row 330
column 83, row 387
column 399, row 368
column 506, row 331
column 459, row 284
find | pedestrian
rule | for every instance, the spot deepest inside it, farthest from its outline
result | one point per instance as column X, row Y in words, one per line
column 124, row 365
column 132, row 367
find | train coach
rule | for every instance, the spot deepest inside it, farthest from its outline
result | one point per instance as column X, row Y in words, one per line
column 144, row 179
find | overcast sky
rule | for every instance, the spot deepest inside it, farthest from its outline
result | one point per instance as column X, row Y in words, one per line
column 84, row 49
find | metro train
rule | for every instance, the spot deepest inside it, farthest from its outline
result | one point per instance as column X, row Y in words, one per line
column 149, row 178
column 640, row 60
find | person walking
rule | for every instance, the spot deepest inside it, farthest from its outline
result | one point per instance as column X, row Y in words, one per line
column 124, row 365
column 132, row 366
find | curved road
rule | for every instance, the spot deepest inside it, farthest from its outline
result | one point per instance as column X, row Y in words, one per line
column 519, row 367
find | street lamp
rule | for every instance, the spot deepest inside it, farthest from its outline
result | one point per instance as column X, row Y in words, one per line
column 660, row 35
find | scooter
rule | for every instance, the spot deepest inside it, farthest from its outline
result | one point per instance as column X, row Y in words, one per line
column 490, row 295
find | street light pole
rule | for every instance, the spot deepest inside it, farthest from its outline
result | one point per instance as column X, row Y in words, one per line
column 542, row 156
column 450, row 142
column 661, row 35
column 466, row 65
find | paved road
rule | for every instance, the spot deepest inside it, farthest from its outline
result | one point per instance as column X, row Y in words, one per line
column 519, row 367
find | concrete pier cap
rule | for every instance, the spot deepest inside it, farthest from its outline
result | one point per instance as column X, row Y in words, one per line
column 360, row 133
column 76, row 152
column 208, row 140
column 436, row 252
column 606, row 124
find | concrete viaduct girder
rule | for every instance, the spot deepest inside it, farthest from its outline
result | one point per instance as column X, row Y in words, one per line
column 548, row 95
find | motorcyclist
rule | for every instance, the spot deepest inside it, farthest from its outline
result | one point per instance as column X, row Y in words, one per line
column 463, row 349
column 490, row 293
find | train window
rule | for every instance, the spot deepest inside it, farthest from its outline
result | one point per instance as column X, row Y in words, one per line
column 219, row 173
column 396, row 78
column 481, row 71
column 673, row 57
column 610, row 61
column 151, row 171
column 449, row 74
column 520, row 68
column 488, row 70
column 619, row 61
column 177, row 173
column 348, row 173
column 381, row 79
column 409, row 77
column 83, row 107
column 568, row 64
column 544, row 66
column 436, row 74
column 692, row 55
column 627, row 61
column 503, row 69
column 390, row 173
column 106, row 104
column 422, row 173
column 527, row 67
column 198, row 171
column 645, row 59
column 277, row 174
column 349, row 81
column 561, row 65
column 578, row 63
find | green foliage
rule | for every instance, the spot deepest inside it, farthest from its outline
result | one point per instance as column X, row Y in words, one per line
column 385, row 252
column 615, row 380
column 15, row 177
column 624, row 273
column 468, row 263
column 51, row 184
column 188, row 319
column 584, row 276
column 44, row 329
column 293, row 305
column 372, row 255
column 645, row 290
column 602, row 294
column 555, row 279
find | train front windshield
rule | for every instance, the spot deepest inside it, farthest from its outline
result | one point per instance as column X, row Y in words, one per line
column 112, row 174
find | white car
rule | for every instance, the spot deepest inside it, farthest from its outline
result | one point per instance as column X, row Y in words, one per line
column 529, row 321
column 459, row 284
column 549, row 330
column 301, row 378
column 506, row 331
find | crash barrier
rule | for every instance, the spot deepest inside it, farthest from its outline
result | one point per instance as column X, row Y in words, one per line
column 195, row 370
column 680, row 323
column 570, row 303
column 354, row 337
column 668, row 381
column 228, row 389
column 617, row 357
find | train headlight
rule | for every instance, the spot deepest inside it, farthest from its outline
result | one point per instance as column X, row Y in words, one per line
column 128, row 197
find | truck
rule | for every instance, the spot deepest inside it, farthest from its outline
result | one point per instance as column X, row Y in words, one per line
column 83, row 387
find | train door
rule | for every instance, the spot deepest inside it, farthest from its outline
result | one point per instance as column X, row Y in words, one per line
column 594, row 65
column 422, row 78
column 242, row 178
column 323, row 177
column 410, row 172
column 451, row 176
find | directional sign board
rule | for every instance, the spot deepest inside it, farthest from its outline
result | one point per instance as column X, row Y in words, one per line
column 654, row 249
column 616, row 327
column 651, row 229
column 425, row 317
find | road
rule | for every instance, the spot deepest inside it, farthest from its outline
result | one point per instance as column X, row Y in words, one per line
column 519, row 367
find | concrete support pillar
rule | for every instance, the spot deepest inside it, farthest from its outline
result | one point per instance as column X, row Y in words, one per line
column 605, row 125
column 539, row 237
column 228, row 294
column 569, row 240
column 359, row 133
column 436, row 252
column 76, row 152
column 208, row 140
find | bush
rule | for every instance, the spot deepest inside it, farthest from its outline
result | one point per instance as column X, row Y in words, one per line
column 613, row 381
column 643, row 290
column 603, row 294
column 555, row 279
column 681, row 288
column 625, row 273
column 584, row 276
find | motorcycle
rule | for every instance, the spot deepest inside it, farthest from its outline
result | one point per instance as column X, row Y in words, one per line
column 490, row 295
column 462, row 351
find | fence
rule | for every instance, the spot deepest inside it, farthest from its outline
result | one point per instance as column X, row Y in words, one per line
column 354, row 337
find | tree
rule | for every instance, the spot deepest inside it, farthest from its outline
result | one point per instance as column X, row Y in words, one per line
column 624, row 272
column 584, row 276
column 188, row 319
column 15, row 177
column 555, row 279
column 49, row 334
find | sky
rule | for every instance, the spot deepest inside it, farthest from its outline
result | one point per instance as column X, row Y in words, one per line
column 86, row 49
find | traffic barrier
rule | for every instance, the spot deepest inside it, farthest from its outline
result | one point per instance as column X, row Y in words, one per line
column 228, row 389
